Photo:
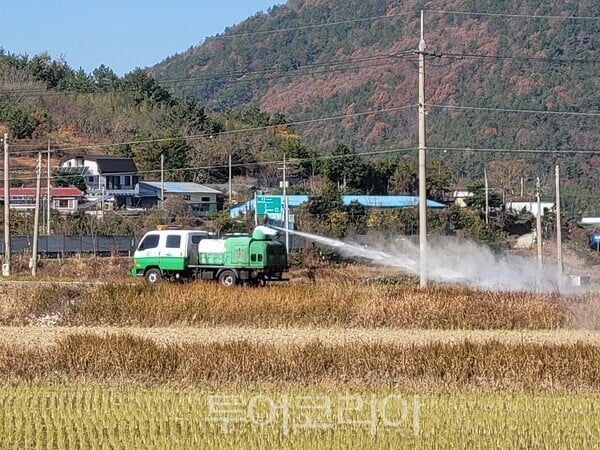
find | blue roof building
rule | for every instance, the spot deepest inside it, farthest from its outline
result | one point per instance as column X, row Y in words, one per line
column 368, row 201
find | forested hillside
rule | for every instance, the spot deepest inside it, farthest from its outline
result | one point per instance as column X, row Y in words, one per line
column 511, row 87
column 514, row 87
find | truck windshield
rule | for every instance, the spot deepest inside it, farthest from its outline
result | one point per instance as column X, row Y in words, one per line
column 150, row 241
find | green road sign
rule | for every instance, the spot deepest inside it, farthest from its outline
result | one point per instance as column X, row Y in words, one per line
column 268, row 204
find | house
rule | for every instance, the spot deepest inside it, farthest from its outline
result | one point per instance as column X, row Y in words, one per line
column 63, row 199
column 202, row 199
column 530, row 205
column 108, row 179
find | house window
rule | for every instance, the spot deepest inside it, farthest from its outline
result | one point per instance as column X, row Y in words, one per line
column 206, row 199
column 113, row 182
column 63, row 203
column 186, row 197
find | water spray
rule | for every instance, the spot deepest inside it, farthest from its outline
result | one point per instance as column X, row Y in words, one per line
column 454, row 261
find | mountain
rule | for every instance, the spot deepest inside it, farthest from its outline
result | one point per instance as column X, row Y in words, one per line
column 509, row 75
column 511, row 87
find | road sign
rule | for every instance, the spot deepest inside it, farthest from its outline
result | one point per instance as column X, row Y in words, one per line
column 268, row 204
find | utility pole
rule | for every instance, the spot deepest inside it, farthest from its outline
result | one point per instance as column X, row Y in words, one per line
column 538, row 222
column 6, row 265
column 48, row 194
column 422, row 161
column 284, row 214
column 487, row 197
column 162, row 180
column 36, row 220
column 230, row 188
column 559, row 259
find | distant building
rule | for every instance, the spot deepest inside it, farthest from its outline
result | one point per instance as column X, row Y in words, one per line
column 530, row 205
column 368, row 201
column 202, row 199
column 63, row 199
column 108, row 179
column 459, row 198
column 590, row 221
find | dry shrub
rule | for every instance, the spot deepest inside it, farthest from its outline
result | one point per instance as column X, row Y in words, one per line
column 464, row 364
column 584, row 311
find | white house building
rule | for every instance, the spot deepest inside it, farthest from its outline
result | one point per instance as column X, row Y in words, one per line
column 108, row 179
column 529, row 205
column 62, row 199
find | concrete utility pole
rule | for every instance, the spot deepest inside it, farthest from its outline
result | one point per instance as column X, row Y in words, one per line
column 284, row 214
column 487, row 197
column 559, row 259
column 538, row 222
column 230, row 187
column 48, row 194
column 36, row 220
column 162, row 180
column 422, row 162
column 6, row 264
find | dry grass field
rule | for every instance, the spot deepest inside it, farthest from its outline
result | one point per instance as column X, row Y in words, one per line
column 370, row 361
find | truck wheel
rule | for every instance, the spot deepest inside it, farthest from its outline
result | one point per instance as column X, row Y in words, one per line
column 227, row 278
column 152, row 276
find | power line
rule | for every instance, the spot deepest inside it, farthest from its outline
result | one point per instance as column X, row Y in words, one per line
column 15, row 147
column 518, row 150
column 222, row 133
column 362, row 154
column 524, row 16
column 518, row 58
column 309, row 27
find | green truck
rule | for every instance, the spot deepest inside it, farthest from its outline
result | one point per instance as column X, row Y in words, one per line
column 186, row 255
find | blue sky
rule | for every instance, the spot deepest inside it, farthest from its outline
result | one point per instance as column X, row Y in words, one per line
column 121, row 34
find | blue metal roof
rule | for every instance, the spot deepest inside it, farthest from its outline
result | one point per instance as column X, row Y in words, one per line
column 372, row 201
column 388, row 201
column 179, row 187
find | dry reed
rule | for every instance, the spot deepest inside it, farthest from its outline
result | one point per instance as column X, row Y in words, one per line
column 322, row 305
column 463, row 364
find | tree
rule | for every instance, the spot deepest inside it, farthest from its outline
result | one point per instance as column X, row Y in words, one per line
column 439, row 179
column 404, row 180
column 68, row 180
column 477, row 200
column 328, row 200
column 105, row 79
column 346, row 169
column 142, row 88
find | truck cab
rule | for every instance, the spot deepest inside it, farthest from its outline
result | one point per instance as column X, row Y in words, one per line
column 166, row 253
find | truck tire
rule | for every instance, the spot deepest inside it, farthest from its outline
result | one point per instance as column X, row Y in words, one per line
column 227, row 278
column 152, row 276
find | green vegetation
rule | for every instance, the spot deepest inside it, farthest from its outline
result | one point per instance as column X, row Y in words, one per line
column 254, row 85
